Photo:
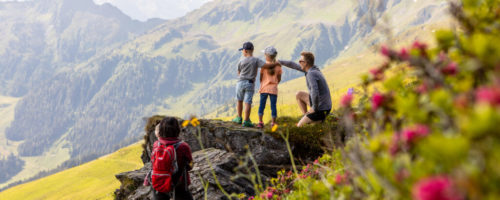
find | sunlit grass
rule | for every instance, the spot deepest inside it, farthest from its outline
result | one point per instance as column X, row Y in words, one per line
column 94, row 180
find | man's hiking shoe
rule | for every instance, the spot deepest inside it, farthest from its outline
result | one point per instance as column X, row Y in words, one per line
column 248, row 124
column 260, row 125
column 238, row 120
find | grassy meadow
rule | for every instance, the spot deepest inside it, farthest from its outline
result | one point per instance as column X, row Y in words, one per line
column 93, row 180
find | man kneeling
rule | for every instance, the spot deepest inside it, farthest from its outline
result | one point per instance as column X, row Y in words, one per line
column 318, row 98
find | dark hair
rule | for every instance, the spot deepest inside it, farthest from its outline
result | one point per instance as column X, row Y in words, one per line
column 308, row 57
column 169, row 127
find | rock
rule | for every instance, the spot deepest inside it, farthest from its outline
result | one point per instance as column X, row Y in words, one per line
column 225, row 144
column 223, row 163
column 132, row 184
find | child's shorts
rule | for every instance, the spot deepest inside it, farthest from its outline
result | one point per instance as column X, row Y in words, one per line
column 245, row 90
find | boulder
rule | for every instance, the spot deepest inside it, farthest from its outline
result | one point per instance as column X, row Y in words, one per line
column 225, row 145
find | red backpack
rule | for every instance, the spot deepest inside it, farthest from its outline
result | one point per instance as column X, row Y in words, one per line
column 164, row 166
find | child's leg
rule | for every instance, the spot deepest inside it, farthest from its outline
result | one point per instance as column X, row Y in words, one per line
column 263, row 100
column 240, row 95
column 239, row 108
column 274, row 111
column 248, row 95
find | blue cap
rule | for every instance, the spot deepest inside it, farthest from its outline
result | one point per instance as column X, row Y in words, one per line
column 247, row 46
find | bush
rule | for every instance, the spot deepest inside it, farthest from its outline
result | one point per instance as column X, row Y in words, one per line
column 430, row 129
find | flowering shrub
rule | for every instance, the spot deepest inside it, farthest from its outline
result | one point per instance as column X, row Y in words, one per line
column 430, row 131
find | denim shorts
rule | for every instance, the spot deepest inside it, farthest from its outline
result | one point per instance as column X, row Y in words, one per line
column 245, row 90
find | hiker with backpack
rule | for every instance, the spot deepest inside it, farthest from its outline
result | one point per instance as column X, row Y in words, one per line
column 171, row 160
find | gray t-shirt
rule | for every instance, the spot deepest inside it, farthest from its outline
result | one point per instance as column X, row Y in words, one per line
column 248, row 67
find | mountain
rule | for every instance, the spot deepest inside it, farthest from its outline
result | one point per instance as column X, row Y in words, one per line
column 187, row 66
column 44, row 36
column 41, row 39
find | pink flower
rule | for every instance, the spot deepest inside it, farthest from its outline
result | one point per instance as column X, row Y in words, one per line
column 251, row 198
column 385, row 51
column 489, row 95
column 316, row 161
column 377, row 101
column 419, row 45
column 377, row 73
column 450, row 69
column 411, row 134
column 404, row 54
column 422, row 88
column 269, row 195
column 435, row 188
column 346, row 100
column 340, row 179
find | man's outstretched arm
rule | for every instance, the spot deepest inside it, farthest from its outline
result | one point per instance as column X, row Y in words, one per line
column 291, row 65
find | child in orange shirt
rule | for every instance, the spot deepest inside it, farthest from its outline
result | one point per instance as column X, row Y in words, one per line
column 269, row 80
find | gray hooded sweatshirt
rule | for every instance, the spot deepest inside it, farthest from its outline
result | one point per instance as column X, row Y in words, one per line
column 319, row 92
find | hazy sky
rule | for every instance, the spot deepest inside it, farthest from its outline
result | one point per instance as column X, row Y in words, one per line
column 146, row 9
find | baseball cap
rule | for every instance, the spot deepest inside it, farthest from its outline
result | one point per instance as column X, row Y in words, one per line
column 270, row 50
column 247, row 46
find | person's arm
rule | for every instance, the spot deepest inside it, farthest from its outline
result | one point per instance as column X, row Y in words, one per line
column 313, row 83
column 264, row 65
column 239, row 68
column 291, row 65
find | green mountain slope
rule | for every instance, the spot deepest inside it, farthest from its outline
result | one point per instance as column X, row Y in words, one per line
column 93, row 180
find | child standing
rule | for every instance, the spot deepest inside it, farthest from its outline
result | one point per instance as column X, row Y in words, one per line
column 269, row 80
column 247, row 72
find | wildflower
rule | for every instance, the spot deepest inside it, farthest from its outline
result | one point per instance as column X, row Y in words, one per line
column 316, row 161
column 377, row 73
column 377, row 101
column 195, row 122
column 385, row 51
column 185, row 123
column 422, row 88
column 410, row 135
column 274, row 128
column 346, row 100
column 340, row 179
column 419, row 45
column 350, row 91
column 435, row 188
column 269, row 195
column 450, row 69
column 489, row 95
column 251, row 198
column 404, row 54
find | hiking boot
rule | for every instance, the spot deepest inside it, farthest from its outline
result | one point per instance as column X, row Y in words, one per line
column 238, row 120
column 248, row 124
column 260, row 125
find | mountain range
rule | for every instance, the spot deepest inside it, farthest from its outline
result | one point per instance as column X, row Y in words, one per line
column 85, row 75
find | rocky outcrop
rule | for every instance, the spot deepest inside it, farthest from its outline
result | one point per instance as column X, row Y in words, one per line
column 224, row 146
